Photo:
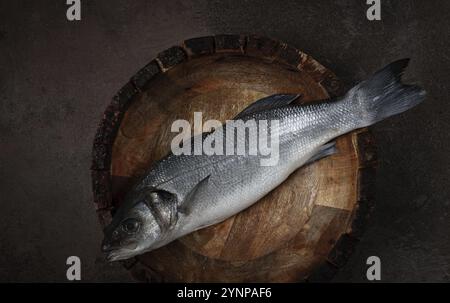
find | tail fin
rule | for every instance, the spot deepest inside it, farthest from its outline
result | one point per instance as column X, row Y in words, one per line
column 384, row 95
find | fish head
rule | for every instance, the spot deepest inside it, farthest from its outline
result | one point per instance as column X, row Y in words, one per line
column 140, row 224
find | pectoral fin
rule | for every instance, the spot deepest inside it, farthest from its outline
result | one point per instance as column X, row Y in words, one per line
column 186, row 206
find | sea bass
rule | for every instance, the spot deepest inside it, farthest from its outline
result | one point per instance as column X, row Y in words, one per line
column 183, row 193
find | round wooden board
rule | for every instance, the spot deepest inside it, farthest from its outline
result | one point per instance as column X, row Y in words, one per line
column 303, row 230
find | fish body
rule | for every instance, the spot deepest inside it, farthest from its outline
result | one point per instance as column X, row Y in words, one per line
column 183, row 193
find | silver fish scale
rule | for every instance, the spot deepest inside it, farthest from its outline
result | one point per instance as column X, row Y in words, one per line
column 190, row 192
column 236, row 182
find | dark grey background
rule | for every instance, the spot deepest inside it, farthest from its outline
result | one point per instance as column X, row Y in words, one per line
column 56, row 78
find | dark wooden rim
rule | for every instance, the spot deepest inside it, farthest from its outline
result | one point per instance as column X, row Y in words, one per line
column 254, row 46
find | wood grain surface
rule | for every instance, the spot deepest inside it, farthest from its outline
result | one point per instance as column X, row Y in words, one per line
column 303, row 230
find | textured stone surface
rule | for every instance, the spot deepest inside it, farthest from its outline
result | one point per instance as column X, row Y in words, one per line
column 57, row 77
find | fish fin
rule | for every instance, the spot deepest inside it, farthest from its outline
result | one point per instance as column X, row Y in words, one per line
column 186, row 206
column 269, row 102
column 383, row 95
column 324, row 151
column 203, row 134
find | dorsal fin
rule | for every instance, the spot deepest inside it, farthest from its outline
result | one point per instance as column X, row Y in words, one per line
column 269, row 102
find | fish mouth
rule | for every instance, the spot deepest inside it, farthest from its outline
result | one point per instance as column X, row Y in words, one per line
column 112, row 256
column 119, row 253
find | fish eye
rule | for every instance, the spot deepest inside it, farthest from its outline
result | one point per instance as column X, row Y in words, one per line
column 130, row 225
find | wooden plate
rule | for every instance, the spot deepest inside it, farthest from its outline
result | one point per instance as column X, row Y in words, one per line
column 303, row 230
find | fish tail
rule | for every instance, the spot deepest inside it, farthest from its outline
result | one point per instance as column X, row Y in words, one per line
column 384, row 95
